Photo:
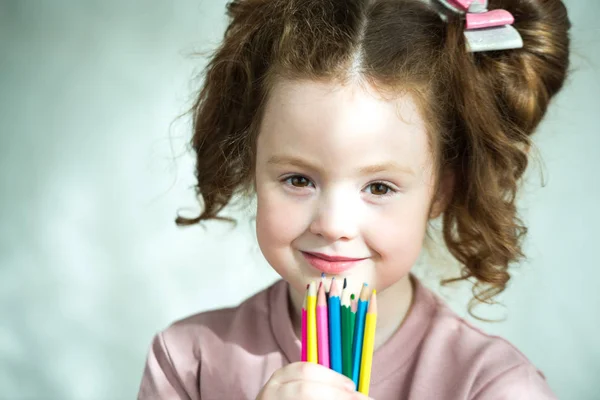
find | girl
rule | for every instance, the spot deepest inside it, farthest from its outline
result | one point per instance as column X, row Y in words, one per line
column 355, row 123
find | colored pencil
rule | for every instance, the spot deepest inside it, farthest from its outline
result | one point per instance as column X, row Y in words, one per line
column 347, row 334
column 353, row 310
column 327, row 286
column 304, row 349
column 359, row 327
column 352, row 323
column 322, row 327
column 368, row 345
column 335, row 328
column 311, row 324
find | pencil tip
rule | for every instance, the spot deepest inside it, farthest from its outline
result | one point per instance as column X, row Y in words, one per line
column 321, row 295
column 322, row 274
column 344, row 283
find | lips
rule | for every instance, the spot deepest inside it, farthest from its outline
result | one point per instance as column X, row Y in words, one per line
column 332, row 265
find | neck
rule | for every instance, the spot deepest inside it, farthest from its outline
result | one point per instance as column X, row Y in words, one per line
column 393, row 305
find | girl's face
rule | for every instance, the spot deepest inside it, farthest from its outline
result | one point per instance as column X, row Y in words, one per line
column 342, row 173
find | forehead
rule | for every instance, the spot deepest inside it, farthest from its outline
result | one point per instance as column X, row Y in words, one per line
column 340, row 126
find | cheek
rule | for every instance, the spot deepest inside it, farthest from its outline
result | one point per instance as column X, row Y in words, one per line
column 398, row 240
column 278, row 222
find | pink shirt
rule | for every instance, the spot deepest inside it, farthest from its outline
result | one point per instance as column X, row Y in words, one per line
column 231, row 353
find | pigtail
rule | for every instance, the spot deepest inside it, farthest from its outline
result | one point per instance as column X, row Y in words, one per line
column 526, row 79
column 499, row 98
column 225, row 111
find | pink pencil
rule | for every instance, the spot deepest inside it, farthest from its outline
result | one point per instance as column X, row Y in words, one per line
column 322, row 327
column 304, row 348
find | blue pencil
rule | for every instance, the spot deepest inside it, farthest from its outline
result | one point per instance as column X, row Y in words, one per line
column 335, row 328
column 359, row 328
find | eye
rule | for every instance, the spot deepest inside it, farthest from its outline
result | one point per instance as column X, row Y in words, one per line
column 298, row 181
column 381, row 189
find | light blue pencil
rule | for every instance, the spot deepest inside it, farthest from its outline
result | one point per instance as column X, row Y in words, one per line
column 359, row 328
column 335, row 328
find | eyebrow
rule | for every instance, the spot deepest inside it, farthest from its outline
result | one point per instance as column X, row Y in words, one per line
column 366, row 170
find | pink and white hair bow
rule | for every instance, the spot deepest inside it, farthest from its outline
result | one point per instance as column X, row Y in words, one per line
column 486, row 30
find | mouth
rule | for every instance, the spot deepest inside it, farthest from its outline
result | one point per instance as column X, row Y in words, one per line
column 331, row 265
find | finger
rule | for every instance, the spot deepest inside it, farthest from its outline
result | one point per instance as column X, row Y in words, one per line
column 309, row 390
column 305, row 371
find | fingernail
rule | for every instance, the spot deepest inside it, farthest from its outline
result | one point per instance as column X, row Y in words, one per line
column 351, row 386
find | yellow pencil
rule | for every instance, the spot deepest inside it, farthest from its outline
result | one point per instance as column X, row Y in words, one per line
column 366, row 361
column 311, row 324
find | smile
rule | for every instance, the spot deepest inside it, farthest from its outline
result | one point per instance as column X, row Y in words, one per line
column 331, row 265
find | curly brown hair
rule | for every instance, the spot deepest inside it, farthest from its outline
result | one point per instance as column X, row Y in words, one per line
column 481, row 108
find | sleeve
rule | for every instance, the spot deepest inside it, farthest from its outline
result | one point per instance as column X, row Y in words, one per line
column 160, row 379
column 522, row 382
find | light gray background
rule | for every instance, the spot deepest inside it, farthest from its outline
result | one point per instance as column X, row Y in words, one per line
column 93, row 168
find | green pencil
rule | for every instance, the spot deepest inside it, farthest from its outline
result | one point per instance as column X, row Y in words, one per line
column 346, row 335
column 353, row 308
column 347, row 332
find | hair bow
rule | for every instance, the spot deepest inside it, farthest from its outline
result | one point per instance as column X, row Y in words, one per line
column 486, row 30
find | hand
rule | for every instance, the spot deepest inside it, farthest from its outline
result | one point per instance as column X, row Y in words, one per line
column 306, row 381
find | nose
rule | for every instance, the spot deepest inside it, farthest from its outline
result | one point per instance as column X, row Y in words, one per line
column 336, row 218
